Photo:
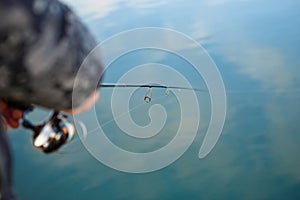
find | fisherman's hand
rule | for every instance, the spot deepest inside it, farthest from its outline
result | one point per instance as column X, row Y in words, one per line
column 86, row 105
column 11, row 115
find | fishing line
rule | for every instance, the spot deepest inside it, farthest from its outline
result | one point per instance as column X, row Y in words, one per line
column 148, row 98
column 117, row 117
column 134, row 108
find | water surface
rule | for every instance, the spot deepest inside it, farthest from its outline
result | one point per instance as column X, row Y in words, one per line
column 255, row 45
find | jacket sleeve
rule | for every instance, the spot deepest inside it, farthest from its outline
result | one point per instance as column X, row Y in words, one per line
column 42, row 46
column 6, row 191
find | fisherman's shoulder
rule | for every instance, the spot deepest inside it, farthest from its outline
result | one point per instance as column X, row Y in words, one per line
column 42, row 46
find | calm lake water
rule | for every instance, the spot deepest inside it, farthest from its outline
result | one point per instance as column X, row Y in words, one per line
column 256, row 47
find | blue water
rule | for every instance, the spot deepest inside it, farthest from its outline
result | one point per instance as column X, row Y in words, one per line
column 256, row 47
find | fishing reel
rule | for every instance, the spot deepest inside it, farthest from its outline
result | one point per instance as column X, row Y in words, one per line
column 51, row 134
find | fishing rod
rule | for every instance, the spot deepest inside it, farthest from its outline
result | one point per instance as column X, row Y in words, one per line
column 111, row 85
column 148, row 95
column 57, row 130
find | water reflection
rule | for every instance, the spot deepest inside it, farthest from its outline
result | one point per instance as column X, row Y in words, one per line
column 255, row 44
column 93, row 9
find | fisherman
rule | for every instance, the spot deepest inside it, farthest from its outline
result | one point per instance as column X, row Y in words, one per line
column 42, row 46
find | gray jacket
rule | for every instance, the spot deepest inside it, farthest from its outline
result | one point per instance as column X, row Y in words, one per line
column 42, row 45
